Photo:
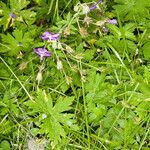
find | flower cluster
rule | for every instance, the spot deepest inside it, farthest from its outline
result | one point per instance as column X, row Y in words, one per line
column 50, row 37
column 87, row 20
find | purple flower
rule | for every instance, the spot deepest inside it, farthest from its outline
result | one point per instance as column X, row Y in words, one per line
column 50, row 36
column 92, row 7
column 42, row 52
column 12, row 15
column 112, row 21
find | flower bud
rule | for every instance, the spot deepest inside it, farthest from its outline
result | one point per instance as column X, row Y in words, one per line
column 59, row 64
column 23, row 66
column 85, row 8
column 76, row 8
column 68, row 80
column 69, row 50
column 101, row 23
column 83, row 32
column 79, row 56
column 67, row 31
column 20, row 55
column 54, row 45
column 83, row 79
column 39, row 77
column 59, row 46
column 87, row 20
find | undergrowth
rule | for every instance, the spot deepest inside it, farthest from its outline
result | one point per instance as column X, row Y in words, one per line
column 74, row 74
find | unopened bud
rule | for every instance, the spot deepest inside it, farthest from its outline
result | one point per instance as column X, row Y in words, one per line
column 59, row 64
column 20, row 55
column 83, row 79
column 98, row 50
column 39, row 77
column 69, row 50
column 59, row 46
column 87, row 20
column 67, row 31
column 76, row 8
column 101, row 23
column 68, row 80
column 23, row 66
column 83, row 32
column 85, row 8
column 79, row 56
column 53, row 145
column 54, row 45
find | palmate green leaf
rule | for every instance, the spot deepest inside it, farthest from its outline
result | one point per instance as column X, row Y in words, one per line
column 53, row 129
column 21, row 14
column 130, row 9
column 5, row 18
column 17, row 5
column 28, row 16
column 56, row 119
column 94, row 81
column 146, row 50
column 114, row 30
column 58, row 106
column 99, row 96
column 12, row 42
column 127, row 31
column 143, row 109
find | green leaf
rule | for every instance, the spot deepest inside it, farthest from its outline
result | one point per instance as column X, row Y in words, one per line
column 63, row 104
column 114, row 30
column 12, row 42
column 146, row 50
column 56, row 117
column 131, row 9
column 5, row 145
column 16, row 5
column 143, row 109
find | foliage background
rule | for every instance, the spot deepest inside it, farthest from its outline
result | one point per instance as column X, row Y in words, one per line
column 99, row 99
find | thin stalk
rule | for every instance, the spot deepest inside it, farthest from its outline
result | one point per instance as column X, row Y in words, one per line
column 16, row 78
column 123, row 108
column 85, row 109
column 146, row 134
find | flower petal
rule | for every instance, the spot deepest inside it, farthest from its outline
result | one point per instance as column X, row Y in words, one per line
column 50, row 36
column 42, row 52
column 112, row 21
